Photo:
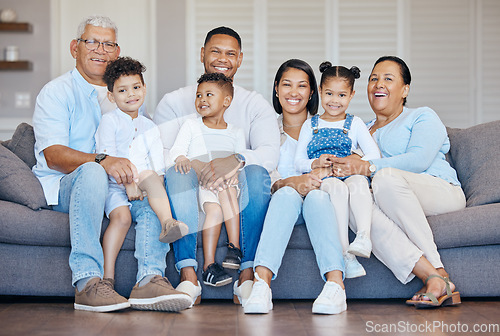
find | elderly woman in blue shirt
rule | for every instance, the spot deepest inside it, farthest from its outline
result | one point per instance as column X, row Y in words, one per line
column 412, row 180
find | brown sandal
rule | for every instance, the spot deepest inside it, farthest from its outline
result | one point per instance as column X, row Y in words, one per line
column 448, row 299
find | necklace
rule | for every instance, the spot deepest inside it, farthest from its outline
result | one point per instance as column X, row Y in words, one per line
column 291, row 126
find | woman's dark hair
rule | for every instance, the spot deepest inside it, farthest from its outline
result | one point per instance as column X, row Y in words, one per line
column 328, row 71
column 122, row 66
column 312, row 104
column 405, row 71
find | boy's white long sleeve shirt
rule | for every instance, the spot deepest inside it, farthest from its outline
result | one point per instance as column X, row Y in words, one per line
column 248, row 111
column 197, row 141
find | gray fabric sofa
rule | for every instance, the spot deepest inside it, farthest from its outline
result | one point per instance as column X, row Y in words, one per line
column 35, row 244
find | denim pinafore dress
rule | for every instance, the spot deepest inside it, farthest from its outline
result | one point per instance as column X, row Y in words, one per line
column 326, row 140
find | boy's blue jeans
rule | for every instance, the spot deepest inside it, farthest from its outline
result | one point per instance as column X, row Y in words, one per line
column 255, row 193
column 82, row 195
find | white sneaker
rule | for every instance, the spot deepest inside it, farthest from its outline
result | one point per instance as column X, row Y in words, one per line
column 241, row 293
column 361, row 246
column 331, row 300
column 260, row 299
column 190, row 289
column 353, row 268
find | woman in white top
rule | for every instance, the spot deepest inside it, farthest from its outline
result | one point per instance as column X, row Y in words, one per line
column 297, row 200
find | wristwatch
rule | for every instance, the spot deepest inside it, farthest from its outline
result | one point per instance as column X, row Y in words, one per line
column 241, row 159
column 99, row 157
column 372, row 168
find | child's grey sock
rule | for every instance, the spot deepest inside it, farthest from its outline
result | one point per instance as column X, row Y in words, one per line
column 80, row 284
column 146, row 280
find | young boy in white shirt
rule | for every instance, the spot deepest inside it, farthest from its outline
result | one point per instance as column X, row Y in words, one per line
column 125, row 133
column 198, row 142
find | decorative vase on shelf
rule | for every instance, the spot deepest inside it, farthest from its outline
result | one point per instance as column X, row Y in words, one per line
column 12, row 53
column 8, row 15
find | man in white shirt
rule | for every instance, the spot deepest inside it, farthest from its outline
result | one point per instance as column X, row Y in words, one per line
column 251, row 112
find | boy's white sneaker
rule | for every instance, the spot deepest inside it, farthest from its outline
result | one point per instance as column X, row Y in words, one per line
column 353, row 268
column 241, row 293
column 361, row 246
column 260, row 300
column 331, row 300
column 190, row 289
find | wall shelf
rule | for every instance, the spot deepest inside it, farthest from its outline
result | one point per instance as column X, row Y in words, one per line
column 18, row 65
column 15, row 27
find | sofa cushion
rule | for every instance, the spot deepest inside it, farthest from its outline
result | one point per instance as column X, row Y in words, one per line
column 475, row 155
column 22, row 144
column 17, row 183
column 21, row 225
column 472, row 226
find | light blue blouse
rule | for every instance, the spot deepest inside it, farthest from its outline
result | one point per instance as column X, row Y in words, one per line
column 416, row 141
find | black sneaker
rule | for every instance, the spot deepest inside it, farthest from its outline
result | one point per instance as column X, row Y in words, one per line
column 216, row 276
column 233, row 257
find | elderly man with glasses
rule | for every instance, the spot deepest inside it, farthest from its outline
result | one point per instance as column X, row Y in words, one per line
column 75, row 178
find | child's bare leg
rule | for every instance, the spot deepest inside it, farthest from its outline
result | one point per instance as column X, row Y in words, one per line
column 229, row 203
column 211, row 232
column 119, row 224
column 361, row 203
column 213, row 274
column 228, row 199
column 153, row 184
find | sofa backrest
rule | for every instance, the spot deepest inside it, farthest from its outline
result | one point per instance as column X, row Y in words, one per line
column 475, row 154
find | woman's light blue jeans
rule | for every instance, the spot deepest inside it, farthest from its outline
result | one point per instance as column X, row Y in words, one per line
column 182, row 190
column 287, row 209
column 82, row 195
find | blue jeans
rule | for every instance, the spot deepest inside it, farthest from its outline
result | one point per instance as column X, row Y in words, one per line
column 150, row 252
column 82, row 195
column 182, row 190
column 285, row 210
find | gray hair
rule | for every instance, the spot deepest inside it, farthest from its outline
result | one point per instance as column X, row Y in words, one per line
column 98, row 21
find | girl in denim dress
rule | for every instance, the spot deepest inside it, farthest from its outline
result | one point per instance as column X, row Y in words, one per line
column 337, row 134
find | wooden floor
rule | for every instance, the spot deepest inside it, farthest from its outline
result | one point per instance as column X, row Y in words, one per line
column 35, row 316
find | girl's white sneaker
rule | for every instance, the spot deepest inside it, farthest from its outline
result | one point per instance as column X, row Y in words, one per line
column 353, row 269
column 361, row 246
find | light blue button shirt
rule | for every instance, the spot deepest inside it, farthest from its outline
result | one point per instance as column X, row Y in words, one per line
column 416, row 141
column 67, row 113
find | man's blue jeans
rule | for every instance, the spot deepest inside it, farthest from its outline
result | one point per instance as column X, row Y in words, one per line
column 255, row 193
column 82, row 195
column 287, row 209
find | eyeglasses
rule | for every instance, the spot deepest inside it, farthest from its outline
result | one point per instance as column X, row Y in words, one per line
column 92, row 45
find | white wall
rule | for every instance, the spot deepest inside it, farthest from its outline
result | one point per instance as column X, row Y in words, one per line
column 451, row 46
column 136, row 33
